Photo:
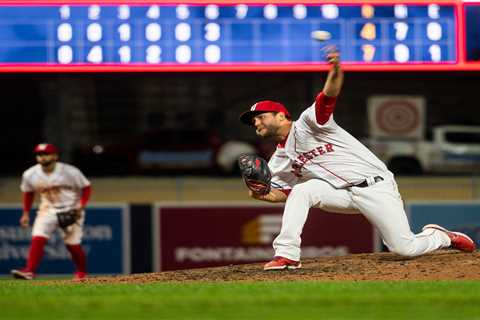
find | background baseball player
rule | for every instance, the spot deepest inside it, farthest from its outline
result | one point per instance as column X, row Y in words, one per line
column 319, row 164
column 62, row 188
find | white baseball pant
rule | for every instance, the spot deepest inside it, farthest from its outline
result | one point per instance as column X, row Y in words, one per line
column 46, row 223
column 380, row 203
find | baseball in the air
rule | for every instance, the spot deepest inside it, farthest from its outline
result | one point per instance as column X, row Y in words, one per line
column 321, row 35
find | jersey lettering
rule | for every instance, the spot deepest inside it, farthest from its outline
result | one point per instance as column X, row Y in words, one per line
column 53, row 189
column 62, row 188
column 303, row 158
column 52, row 193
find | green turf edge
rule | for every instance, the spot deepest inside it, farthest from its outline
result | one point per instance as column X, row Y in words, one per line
column 245, row 300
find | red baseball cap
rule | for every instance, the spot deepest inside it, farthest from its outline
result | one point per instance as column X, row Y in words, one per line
column 262, row 107
column 45, row 148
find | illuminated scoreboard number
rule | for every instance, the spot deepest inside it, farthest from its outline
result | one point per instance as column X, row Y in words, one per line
column 94, row 34
column 245, row 34
column 212, row 34
column 271, row 34
column 127, row 34
column 141, row 37
column 402, row 34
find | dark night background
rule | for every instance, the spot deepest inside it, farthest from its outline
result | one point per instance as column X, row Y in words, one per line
column 78, row 110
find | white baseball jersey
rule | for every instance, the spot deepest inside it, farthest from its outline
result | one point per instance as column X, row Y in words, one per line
column 60, row 189
column 322, row 163
column 325, row 152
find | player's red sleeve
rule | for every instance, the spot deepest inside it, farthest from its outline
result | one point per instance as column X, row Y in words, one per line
column 27, row 200
column 86, row 192
column 324, row 107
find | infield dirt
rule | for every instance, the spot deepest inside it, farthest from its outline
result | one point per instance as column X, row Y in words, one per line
column 440, row 265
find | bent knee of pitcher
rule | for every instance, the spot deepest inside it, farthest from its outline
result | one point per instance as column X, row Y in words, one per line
column 404, row 249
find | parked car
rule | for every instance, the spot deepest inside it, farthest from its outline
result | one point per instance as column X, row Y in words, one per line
column 453, row 149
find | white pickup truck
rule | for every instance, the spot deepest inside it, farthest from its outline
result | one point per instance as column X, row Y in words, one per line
column 453, row 149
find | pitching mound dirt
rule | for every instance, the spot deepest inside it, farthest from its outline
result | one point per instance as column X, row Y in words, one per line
column 440, row 265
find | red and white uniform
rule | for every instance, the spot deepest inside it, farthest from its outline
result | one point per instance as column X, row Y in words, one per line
column 63, row 189
column 319, row 165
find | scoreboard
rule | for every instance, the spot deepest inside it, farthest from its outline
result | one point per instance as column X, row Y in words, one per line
column 104, row 36
column 472, row 31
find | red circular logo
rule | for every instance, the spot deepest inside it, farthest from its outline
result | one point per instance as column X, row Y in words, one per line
column 397, row 117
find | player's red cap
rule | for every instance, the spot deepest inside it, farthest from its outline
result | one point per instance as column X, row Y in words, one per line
column 45, row 148
column 262, row 107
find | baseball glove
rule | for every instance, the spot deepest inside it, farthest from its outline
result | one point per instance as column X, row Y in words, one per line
column 67, row 218
column 255, row 173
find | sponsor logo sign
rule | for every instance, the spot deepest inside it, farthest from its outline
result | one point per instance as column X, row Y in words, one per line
column 456, row 216
column 105, row 241
column 205, row 236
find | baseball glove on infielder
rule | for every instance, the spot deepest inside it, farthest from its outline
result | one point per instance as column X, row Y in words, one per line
column 255, row 173
column 67, row 218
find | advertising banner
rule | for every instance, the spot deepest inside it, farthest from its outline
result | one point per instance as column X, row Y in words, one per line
column 203, row 236
column 105, row 241
column 456, row 216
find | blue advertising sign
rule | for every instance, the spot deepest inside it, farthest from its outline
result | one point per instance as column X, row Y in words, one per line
column 105, row 241
column 456, row 216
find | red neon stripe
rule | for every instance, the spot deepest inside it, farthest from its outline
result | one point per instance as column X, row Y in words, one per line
column 461, row 34
column 458, row 65
column 218, row 2
column 49, row 68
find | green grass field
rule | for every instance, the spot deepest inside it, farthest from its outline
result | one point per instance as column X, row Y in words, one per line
column 260, row 300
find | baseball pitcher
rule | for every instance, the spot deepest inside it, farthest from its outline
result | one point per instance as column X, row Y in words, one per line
column 319, row 164
column 64, row 192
